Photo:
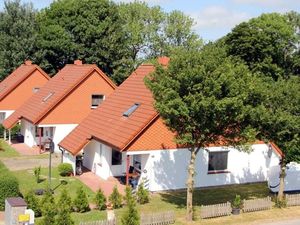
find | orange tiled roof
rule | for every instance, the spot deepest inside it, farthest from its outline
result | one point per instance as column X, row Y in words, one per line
column 107, row 122
column 56, row 89
column 17, row 77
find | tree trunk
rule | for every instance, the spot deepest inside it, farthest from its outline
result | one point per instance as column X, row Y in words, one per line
column 190, row 185
column 281, row 183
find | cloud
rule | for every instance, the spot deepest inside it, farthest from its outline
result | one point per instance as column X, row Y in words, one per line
column 278, row 5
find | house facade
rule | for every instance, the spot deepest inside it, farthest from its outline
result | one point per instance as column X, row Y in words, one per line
column 19, row 86
column 61, row 104
column 127, row 138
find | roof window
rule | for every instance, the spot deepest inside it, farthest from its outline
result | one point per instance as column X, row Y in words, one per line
column 48, row 96
column 97, row 100
column 131, row 109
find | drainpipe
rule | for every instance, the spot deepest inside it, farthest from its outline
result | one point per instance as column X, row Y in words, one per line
column 9, row 136
column 62, row 153
column 40, row 139
column 127, row 169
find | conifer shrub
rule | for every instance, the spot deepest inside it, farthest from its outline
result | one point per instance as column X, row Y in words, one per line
column 81, row 203
column 49, row 209
column 100, row 200
column 131, row 216
column 142, row 194
column 33, row 203
column 64, row 209
column 115, row 198
column 37, row 174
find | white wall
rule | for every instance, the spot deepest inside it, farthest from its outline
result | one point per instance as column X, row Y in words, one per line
column 7, row 113
column 28, row 131
column 69, row 158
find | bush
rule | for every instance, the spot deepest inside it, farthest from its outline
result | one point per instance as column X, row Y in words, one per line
column 142, row 194
column 100, row 200
column 81, row 203
column 48, row 209
column 37, row 174
column 280, row 203
column 237, row 203
column 64, row 210
column 131, row 216
column 115, row 198
column 9, row 187
column 33, row 203
column 65, row 169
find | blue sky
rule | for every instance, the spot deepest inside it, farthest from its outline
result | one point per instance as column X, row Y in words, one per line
column 213, row 18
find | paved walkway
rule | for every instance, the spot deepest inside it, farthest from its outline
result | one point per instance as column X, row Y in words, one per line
column 24, row 149
column 94, row 183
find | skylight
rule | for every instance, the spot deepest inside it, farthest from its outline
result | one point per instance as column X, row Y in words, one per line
column 131, row 109
column 48, row 96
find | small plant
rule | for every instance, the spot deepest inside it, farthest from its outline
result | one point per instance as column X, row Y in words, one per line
column 237, row 203
column 37, row 174
column 48, row 209
column 142, row 194
column 115, row 198
column 131, row 216
column 81, row 203
column 64, row 210
column 280, row 203
column 100, row 200
column 33, row 203
column 65, row 169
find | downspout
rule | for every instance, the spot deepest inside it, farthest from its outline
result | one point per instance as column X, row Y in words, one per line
column 62, row 153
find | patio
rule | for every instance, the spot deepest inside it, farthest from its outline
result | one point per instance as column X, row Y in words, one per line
column 24, row 149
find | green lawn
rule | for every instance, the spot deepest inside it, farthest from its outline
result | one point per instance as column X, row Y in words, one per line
column 7, row 151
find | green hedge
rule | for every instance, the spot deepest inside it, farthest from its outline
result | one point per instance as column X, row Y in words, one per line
column 9, row 186
column 65, row 169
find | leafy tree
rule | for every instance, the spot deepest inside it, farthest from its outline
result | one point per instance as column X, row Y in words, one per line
column 17, row 35
column 142, row 194
column 205, row 97
column 115, row 198
column 265, row 44
column 100, row 200
column 81, row 203
column 33, row 203
column 64, row 209
column 131, row 216
column 48, row 209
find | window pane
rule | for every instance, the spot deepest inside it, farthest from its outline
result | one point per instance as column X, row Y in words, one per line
column 97, row 100
column 116, row 157
column 217, row 161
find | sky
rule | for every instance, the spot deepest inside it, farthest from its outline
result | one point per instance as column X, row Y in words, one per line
column 213, row 18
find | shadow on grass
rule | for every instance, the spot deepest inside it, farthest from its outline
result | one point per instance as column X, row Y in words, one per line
column 216, row 195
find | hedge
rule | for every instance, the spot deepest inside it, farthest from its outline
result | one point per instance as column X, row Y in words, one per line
column 65, row 169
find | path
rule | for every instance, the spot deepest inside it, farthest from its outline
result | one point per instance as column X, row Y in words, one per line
column 285, row 222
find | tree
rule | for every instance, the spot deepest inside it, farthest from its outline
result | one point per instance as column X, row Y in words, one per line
column 90, row 30
column 131, row 216
column 100, row 200
column 48, row 209
column 205, row 97
column 33, row 203
column 115, row 198
column 64, row 209
column 81, row 203
column 265, row 44
column 142, row 194
column 17, row 35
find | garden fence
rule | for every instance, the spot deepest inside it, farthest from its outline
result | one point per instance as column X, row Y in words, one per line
column 158, row 218
column 257, row 204
column 102, row 222
column 292, row 199
column 209, row 211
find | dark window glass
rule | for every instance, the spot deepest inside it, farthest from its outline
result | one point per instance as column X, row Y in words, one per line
column 37, row 131
column 131, row 110
column 116, row 157
column 97, row 100
column 217, row 161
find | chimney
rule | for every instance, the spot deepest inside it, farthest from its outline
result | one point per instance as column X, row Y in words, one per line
column 28, row 63
column 164, row 61
column 78, row 62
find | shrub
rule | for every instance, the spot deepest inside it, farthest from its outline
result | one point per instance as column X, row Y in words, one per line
column 280, row 203
column 48, row 209
column 65, row 169
column 37, row 173
column 81, row 203
column 9, row 187
column 142, row 194
column 131, row 216
column 33, row 203
column 64, row 210
column 100, row 200
column 237, row 202
column 115, row 198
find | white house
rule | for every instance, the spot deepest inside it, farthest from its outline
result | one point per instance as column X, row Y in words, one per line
column 126, row 134
column 60, row 105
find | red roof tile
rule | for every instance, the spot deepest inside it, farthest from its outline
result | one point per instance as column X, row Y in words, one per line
column 17, row 77
column 56, row 89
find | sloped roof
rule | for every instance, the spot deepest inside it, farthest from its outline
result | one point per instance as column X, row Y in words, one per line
column 55, row 90
column 17, row 77
column 107, row 123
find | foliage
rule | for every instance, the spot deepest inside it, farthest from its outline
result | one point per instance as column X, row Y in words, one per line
column 64, row 209
column 237, row 202
column 265, row 43
column 33, row 203
column 65, row 169
column 37, row 173
column 9, row 186
column 115, row 198
column 131, row 216
column 142, row 194
column 17, row 35
column 49, row 209
column 100, row 200
column 81, row 203
column 280, row 203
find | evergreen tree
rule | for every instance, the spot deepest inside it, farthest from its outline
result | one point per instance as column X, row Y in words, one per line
column 100, row 200
column 131, row 217
column 33, row 203
column 48, row 209
column 64, row 210
column 81, row 203
column 116, row 198
column 142, row 194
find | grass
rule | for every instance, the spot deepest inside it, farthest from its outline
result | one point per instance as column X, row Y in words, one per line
column 6, row 151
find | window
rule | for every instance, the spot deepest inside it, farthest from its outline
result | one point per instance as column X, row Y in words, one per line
column 48, row 96
column 2, row 116
column 217, row 161
column 131, row 110
column 35, row 90
column 37, row 131
column 116, row 157
column 97, row 100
